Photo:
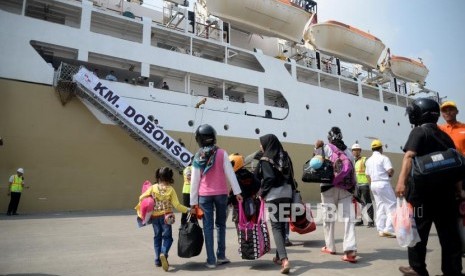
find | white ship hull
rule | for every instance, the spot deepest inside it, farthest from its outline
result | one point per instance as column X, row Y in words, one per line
column 363, row 112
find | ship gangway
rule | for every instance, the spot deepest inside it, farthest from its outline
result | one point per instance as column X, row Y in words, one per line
column 73, row 80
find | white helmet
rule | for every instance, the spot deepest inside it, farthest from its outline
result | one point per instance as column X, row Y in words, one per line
column 356, row 146
column 20, row 170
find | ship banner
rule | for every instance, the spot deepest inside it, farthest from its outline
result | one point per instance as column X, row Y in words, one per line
column 130, row 114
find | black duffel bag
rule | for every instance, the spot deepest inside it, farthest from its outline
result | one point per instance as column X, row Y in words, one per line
column 190, row 241
column 325, row 174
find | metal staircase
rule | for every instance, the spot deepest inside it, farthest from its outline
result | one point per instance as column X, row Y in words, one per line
column 66, row 87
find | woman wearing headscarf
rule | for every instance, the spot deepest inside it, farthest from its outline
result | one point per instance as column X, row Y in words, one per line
column 211, row 170
column 277, row 182
column 332, row 197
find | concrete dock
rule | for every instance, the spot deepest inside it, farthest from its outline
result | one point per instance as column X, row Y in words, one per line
column 110, row 243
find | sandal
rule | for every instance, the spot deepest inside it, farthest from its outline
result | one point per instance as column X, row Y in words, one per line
column 349, row 258
column 277, row 261
column 325, row 250
column 286, row 267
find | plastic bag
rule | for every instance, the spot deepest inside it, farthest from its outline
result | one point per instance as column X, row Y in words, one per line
column 404, row 224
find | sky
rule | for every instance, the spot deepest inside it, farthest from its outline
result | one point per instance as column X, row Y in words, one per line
column 431, row 30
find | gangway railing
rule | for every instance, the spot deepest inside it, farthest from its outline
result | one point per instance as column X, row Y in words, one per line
column 74, row 80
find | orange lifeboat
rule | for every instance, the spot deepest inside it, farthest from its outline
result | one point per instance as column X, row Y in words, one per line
column 408, row 69
column 345, row 42
column 285, row 19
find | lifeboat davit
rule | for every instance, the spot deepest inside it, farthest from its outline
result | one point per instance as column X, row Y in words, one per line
column 345, row 42
column 408, row 69
column 276, row 18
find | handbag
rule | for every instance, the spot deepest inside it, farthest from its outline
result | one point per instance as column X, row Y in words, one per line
column 325, row 174
column 253, row 235
column 190, row 240
column 302, row 221
column 443, row 166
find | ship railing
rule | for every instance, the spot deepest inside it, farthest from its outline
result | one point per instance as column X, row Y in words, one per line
column 64, row 83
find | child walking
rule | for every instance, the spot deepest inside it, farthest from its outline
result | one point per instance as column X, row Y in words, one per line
column 162, row 216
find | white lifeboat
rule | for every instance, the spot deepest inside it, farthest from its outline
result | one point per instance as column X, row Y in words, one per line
column 345, row 42
column 284, row 19
column 408, row 69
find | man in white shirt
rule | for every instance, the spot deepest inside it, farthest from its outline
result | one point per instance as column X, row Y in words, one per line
column 379, row 171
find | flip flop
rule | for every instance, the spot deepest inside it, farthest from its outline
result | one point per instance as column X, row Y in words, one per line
column 277, row 261
column 349, row 259
column 325, row 250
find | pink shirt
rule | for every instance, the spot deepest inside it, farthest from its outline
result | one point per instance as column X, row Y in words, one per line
column 215, row 181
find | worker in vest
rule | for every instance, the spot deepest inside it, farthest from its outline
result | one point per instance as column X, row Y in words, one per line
column 14, row 191
column 186, row 191
column 362, row 191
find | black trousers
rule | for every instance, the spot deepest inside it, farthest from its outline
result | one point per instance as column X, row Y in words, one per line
column 186, row 201
column 363, row 196
column 444, row 216
column 14, row 202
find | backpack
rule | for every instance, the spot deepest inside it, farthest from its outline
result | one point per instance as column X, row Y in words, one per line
column 344, row 172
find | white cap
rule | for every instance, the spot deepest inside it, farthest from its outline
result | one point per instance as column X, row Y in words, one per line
column 20, row 170
column 356, row 146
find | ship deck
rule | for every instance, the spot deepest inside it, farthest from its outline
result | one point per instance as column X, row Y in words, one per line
column 109, row 243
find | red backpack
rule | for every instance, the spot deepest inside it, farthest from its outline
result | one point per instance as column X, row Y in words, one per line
column 344, row 172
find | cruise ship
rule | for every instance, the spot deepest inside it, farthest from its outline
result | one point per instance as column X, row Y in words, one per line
column 83, row 82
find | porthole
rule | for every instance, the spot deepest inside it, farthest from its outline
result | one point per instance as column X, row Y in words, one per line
column 257, row 131
column 329, row 111
column 398, row 124
column 145, row 160
column 307, row 107
column 401, row 148
column 368, row 118
column 226, row 127
column 350, row 114
column 285, row 134
column 386, row 146
column 384, row 121
column 386, row 108
column 190, row 123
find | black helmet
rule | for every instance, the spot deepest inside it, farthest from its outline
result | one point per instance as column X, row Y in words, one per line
column 423, row 110
column 205, row 135
column 334, row 134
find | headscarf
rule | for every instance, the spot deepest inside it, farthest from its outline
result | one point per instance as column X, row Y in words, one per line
column 335, row 138
column 205, row 158
column 273, row 150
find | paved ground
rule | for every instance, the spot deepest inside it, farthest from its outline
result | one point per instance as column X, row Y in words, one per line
column 109, row 243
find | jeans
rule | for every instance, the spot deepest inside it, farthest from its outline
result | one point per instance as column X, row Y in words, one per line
column 163, row 237
column 208, row 204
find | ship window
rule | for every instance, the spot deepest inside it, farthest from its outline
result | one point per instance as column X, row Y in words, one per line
column 384, row 121
column 285, row 134
column 257, row 131
column 368, row 118
column 386, row 108
column 386, row 146
column 145, row 160
column 307, row 107
column 329, row 111
column 190, row 123
column 350, row 114
column 226, row 127
column 268, row 114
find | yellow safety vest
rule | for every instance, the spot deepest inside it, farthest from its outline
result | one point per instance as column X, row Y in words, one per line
column 17, row 185
column 360, row 171
column 186, row 188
